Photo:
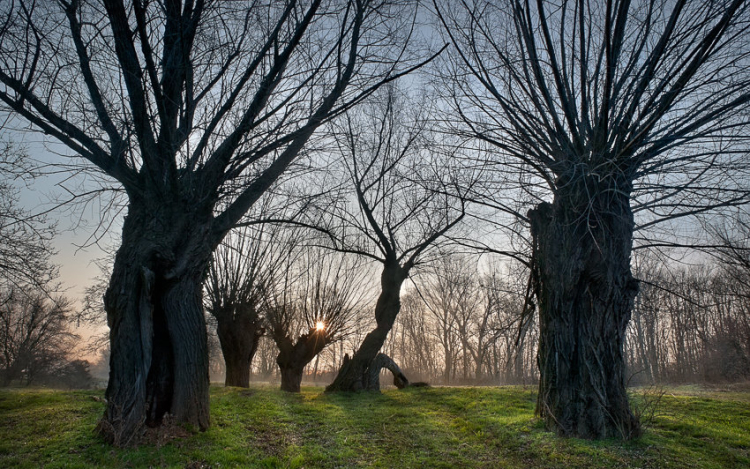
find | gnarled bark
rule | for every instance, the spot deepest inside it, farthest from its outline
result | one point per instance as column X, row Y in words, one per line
column 582, row 248
column 159, row 359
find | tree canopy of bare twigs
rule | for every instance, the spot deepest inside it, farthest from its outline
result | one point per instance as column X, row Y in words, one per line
column 240, row 275
column 733, row 248
column 312, row 304
column 25, row 238
column 35, row 334
column 451, row 293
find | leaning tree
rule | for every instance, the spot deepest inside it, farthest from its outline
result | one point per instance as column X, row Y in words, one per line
column 193, row 109
column 403, row 196
column 625, row 114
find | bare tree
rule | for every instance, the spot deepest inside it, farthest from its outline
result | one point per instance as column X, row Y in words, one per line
column 481, row 321
column 311, row 307
column 450, row 291
column 194, row 109
column 507, row 324
column 616, row 108
column 732, row 247
column 406, row 199
column 240, row 274
column 731, row 346
column 35, row 334
column 689, row 324
column 417, row 352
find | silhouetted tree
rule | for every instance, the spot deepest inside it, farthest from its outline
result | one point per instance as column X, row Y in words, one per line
column 310, row 307
column 613, row 108
column 406, row 198
column 35, row 335
column 241, row 273
column 193, row 109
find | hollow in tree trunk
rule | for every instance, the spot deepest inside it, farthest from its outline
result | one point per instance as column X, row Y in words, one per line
column 159, row 350
column 582, row 247
column 355, row 374
column 239, row 332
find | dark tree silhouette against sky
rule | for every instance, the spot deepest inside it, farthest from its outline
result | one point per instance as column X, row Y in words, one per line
column 194, row 109
column 615, row 108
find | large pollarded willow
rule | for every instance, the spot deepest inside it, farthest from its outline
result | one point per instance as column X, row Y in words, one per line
column 194, row 108
column 618, row 109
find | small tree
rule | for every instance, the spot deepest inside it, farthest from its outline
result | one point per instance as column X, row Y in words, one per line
column 319, row 296
column 241, row 272
column 35, row 336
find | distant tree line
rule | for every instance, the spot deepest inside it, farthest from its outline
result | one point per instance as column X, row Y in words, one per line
column 37, row 342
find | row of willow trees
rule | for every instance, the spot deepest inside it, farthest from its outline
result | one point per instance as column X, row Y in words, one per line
column 580, row 127
column 455, row 325
column 459, row 326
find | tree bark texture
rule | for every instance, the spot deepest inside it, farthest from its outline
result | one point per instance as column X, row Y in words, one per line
column 293, row 358
column 291, row 378
column 159, row 355
column 355, row 374
column 239, row 333
column 582, row 247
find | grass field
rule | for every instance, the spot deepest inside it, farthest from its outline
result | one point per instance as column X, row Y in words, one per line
column 419, row 427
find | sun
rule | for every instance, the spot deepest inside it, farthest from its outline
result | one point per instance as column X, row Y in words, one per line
column 320, row 325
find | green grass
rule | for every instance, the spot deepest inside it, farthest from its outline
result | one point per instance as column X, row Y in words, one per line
column 420, row 427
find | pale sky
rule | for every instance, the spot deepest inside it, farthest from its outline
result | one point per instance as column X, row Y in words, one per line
column 75, row 223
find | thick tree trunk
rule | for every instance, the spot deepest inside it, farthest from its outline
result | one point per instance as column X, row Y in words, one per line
column 239, row 335
column 291, row 378
column 159, row 350
column 237, row 367
column 582, row 245
column 354, row 374
column 293, row 358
